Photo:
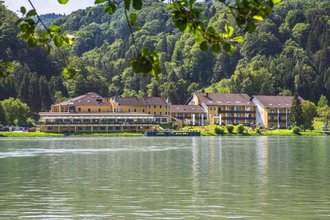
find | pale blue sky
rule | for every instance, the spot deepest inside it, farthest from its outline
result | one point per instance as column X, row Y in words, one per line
column 49, row 6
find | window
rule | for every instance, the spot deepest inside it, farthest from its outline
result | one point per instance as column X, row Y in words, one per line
column 160, row 113
column 154, row 113
column 160, row 106
column 89, row 110
column 79, row 109
column 135, row 110
column 129, row 110
column 99, row 110
column 154, row 106
column 148, row 112
column 142, row 110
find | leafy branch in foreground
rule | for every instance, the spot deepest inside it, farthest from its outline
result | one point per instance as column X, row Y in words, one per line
column 187, row 16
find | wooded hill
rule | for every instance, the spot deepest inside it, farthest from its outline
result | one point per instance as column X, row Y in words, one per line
column 288, row 51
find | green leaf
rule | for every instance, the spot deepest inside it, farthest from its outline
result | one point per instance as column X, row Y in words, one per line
column 127, row 4
column 63, row 1
column 58, row 40
column 55, row 28
column 230, row 49
column 203, row 46
column 133, row 18
column 215, row 48
column 239, row 39
column 276, row 1
column 229, row 30
column 23, row 10
column 137, row 4
column 258, row 17
column 31, row 13
column 99, row 2
column 69, row 72
column 110, row 8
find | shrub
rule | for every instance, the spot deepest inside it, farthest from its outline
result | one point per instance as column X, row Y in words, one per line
column 296, row 130
column 258, row 130
column 230, row 128
column 219, row 130
column 240, row 129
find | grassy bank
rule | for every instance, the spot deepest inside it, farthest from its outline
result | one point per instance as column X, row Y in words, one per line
column 43, row 134
column 209, row 130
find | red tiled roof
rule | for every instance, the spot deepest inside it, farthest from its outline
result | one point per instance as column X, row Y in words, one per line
column 187, row 109
column 88, row 99
column 275, row 101
column 225, row 99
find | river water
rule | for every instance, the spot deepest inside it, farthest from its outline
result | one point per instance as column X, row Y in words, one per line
column 165, row 178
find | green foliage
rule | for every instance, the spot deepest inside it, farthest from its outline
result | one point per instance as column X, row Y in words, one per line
column 287, row 52
column 240, row 129
column 296, row 117
column 296, row 130
column 309, row 112
column 230, row 128
column 16, row 112
column 323, row 110
column 219, row 130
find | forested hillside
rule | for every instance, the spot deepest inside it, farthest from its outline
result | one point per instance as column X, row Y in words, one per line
column 287, row 51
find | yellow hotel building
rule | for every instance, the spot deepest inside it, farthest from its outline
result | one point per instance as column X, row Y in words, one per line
column 156, row 106
column 226, row 108
column 273, row 111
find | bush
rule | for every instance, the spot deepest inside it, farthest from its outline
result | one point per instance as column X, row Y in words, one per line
column 296, row 130
column 240, row 129
column 258, row 130
column 219, row 130
column 230, row 128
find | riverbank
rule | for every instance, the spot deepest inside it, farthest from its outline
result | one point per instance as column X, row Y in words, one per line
column 44, row 134
column 210, row 130
column 204, row 130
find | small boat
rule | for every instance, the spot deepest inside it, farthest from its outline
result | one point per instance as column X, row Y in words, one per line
column 171, row 133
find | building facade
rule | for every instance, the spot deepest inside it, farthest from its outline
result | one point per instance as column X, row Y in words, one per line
column 156, row 106
column 66, row 122
column 88, row 103
column 188, row 114
column 273, row 111
column 226, row 108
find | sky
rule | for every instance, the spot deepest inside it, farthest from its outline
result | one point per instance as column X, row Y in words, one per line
column 48, row 6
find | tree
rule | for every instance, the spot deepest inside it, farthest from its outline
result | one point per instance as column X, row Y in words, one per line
column 187, row 16
column 2, row 116
column 16, row 112
column 309, row 112
column 323, row 110
column 296, row 117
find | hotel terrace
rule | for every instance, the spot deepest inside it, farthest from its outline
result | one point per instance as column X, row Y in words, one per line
column 92, row 113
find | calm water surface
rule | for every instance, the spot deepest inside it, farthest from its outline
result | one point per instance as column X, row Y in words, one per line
column 165, row 178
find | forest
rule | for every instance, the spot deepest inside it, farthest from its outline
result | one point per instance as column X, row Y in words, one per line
column 288, row 52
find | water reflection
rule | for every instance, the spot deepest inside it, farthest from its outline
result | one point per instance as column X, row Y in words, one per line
column 158, row 178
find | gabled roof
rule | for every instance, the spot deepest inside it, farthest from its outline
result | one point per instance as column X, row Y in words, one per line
column 275, row 101
column 88, row 99
column 225, row 99
column 154, row 101
column 187, row 109
column 136, row 101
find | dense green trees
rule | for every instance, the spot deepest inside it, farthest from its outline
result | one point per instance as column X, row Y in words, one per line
column 296, row 117
column 15, row 111
column 287, row 52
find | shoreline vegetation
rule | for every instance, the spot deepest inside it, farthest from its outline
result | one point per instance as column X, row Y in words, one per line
column 209, row 130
